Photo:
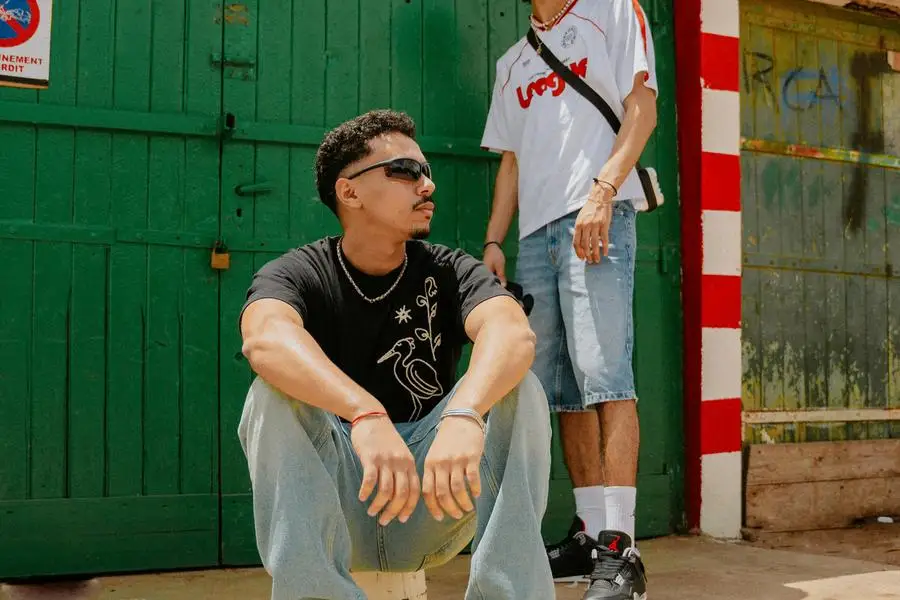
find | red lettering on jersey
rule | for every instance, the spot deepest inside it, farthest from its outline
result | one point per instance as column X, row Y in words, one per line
column 550, row 82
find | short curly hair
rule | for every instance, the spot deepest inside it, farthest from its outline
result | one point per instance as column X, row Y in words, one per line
column 349, row 142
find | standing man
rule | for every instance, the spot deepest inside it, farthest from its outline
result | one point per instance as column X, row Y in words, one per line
column 573, row 182
column 356, row 411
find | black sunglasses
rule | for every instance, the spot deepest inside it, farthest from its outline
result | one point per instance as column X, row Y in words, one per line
column 408, row 169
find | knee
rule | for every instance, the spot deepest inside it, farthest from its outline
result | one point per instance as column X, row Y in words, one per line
column 527, row 404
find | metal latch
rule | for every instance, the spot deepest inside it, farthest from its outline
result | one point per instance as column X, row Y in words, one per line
column 251, row 189
column 221, row 258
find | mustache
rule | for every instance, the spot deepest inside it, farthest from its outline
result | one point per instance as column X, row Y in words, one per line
column 422, row 201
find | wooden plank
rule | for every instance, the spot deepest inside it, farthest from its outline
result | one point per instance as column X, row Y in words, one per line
column 472, row 74
column 406, row 58
column 92, row 200
column 163, row 436
column 820, row 504
column 649, row 347
column 49, row 537
column 16, row 326
column 128, row 263
column 199, row 455
column 822, row 461
column 342, row 75
column 375, row 56
column 822, row 416
column 308, row 67
column 54, row 180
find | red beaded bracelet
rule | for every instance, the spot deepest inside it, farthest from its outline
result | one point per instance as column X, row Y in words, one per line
column 374, row 413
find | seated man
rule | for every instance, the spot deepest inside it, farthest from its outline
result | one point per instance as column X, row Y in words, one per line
column 356, row 340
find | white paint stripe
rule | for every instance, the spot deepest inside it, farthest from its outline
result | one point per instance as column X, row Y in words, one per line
column 721, row 17
column 721, row 122
column 720, row 364
column 721, row 242
column 720, row 495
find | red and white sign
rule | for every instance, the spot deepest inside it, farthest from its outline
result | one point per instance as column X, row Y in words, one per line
column 25, row 42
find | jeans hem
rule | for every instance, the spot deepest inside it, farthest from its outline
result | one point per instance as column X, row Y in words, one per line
column 597, row 398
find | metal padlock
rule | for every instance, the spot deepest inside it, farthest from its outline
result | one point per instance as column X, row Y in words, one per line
column 220, row 259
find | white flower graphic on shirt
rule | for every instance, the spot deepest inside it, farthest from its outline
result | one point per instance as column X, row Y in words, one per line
column 403, row 315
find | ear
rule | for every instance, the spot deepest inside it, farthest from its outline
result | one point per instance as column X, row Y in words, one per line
column 346, row 193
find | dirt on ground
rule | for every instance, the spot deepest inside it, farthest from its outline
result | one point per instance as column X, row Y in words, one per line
column 872, row 542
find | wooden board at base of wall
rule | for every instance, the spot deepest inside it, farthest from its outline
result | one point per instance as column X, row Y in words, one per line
column 821, row 485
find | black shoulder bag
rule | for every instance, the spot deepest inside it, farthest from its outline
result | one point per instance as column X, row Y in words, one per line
column 648, row 177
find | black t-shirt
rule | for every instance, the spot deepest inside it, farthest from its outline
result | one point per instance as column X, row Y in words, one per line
column 404, row 349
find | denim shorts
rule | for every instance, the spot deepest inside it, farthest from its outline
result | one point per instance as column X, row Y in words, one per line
column 582, row 313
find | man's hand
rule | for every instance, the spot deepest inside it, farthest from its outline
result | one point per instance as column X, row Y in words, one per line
column 453, row 459
column 592, row 225
column 495, row 261
column 387, row 462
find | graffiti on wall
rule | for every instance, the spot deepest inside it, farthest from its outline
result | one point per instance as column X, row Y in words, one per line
column 800, row 87
column 789, row 88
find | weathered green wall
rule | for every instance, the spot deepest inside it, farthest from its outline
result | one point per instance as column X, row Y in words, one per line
column 821, row 209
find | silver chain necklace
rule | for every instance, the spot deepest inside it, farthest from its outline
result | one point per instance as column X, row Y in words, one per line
column 340, row 254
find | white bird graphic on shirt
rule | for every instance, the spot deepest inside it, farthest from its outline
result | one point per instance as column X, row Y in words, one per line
column 418, row 377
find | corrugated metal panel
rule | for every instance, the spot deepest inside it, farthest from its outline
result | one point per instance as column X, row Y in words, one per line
column 821, row 196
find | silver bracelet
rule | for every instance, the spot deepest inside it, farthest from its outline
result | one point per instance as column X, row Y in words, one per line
column 465, row 412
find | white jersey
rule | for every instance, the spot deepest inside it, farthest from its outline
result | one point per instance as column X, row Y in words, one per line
column 561, row 141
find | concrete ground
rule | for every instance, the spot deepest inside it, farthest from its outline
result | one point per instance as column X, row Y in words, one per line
column 679, row 568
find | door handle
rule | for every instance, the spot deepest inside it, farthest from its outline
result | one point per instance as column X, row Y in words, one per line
column 252, row 189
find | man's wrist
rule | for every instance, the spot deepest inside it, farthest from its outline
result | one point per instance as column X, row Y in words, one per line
column 492, row 243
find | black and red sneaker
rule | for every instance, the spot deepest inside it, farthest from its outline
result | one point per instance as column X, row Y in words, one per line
column 570, row 559
column 618, row 572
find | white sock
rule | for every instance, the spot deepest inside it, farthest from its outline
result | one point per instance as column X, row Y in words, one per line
column 620, row 504
column 590, row 506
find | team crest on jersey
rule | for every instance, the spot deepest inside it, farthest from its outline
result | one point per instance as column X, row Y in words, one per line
column 569, row 36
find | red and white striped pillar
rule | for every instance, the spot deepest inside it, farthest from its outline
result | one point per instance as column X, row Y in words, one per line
column 707, row 63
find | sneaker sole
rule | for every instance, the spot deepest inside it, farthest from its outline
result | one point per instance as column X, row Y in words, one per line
column 577, row 579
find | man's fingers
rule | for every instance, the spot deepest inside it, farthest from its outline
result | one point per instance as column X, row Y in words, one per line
column 398, row 499
column 444, row 493
column 458, row 488
column 413, row 498
column 595, row 244
column 428, row 496
column 577, row 242
column 385, row 491
column 604, row 236
column 474, row 477
column 370, row 478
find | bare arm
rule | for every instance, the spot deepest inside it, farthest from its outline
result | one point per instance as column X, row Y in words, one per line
column 637, row 126
column 506, row 202
column 283, row 353
column 503, row 353
column 506, row 198
column 501, row 356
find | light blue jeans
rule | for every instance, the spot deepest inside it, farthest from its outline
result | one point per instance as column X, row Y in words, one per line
column 582, row 313
column 312, row 530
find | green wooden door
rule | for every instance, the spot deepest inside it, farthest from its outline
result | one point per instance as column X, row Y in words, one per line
column 108, row 335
